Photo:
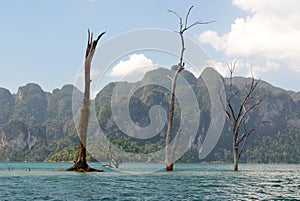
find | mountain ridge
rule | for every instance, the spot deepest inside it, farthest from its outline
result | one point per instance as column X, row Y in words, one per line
column 37, row 125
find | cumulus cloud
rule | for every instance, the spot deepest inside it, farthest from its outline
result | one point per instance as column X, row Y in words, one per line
column 94, row 73
column 93, row 94
column 243, row 67
column 270, row 31
column 135, row 66
column 218, row 66
column 212, row 37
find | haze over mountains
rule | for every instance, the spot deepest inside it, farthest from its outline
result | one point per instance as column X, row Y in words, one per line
column 36, row 125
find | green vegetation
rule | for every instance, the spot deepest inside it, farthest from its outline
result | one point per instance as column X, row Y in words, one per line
column 47, row 132
column 134, row 146
column 279, row 148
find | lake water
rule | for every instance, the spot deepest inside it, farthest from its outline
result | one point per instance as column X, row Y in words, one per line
column 46, row 181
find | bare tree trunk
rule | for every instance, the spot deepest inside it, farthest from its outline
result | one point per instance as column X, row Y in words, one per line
column 183, row 26
column 173, row 152
column 237, row 115
column 235, row 149
column 169, row 166
column 169, row 160
column 80, row 163
column 235, row 156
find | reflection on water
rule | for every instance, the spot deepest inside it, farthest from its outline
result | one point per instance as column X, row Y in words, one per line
column 47, row 181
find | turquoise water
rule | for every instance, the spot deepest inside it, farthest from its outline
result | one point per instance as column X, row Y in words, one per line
column 46, row 181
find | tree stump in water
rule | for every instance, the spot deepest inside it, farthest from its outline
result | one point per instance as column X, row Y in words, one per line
column 81, row 164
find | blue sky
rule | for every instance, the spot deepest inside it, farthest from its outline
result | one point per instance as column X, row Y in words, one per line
column 44, row 41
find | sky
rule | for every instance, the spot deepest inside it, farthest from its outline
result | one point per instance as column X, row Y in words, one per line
column 44, row 42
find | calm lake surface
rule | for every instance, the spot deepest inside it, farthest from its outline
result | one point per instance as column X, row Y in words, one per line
column 46, row 181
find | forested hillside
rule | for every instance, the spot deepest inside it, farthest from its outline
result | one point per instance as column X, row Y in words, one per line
column 36, row 125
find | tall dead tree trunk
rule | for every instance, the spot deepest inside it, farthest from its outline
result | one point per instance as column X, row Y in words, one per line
column 183, row 26
column 238, row 114
column 81, row 163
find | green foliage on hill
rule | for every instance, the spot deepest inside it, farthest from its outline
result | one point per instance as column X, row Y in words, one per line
column 38, row 126
column 282, row 147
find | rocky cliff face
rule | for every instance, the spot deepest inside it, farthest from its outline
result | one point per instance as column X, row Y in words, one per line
column 14, row 135
column 35, row 125
column 32, row 119
column 6, row 105
column 30, row 105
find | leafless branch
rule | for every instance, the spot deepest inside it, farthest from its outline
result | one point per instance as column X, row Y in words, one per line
column 80, row 162
column 182, row 28
column 245, row 136
column 171, row 11
column 237, row 116
column 187, row 16
column 224, row 108
column 169, row 78
column 199, row 23
column 244, row 114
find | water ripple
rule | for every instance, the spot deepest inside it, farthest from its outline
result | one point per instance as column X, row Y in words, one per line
column 187, row 182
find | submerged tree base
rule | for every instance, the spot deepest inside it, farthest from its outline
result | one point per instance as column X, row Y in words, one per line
column 235, row 167
column 169, row 167
column 82, row 166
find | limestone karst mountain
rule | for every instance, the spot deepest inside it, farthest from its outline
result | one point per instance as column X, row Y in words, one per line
column 36, row 125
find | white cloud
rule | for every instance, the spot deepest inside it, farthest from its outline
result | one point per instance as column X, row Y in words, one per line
column 212, row 37
column 243, row 67
column 136, row 65
column 218, row 66
column 249, row 68
column 93, row 94
column 95, row 73
column 257, row 70
column 271, row 31
column 194, row 71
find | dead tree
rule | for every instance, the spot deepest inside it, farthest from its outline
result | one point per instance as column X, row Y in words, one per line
column 114, row 156
column 80, row 162
column 183, row 27
column 238, row 114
